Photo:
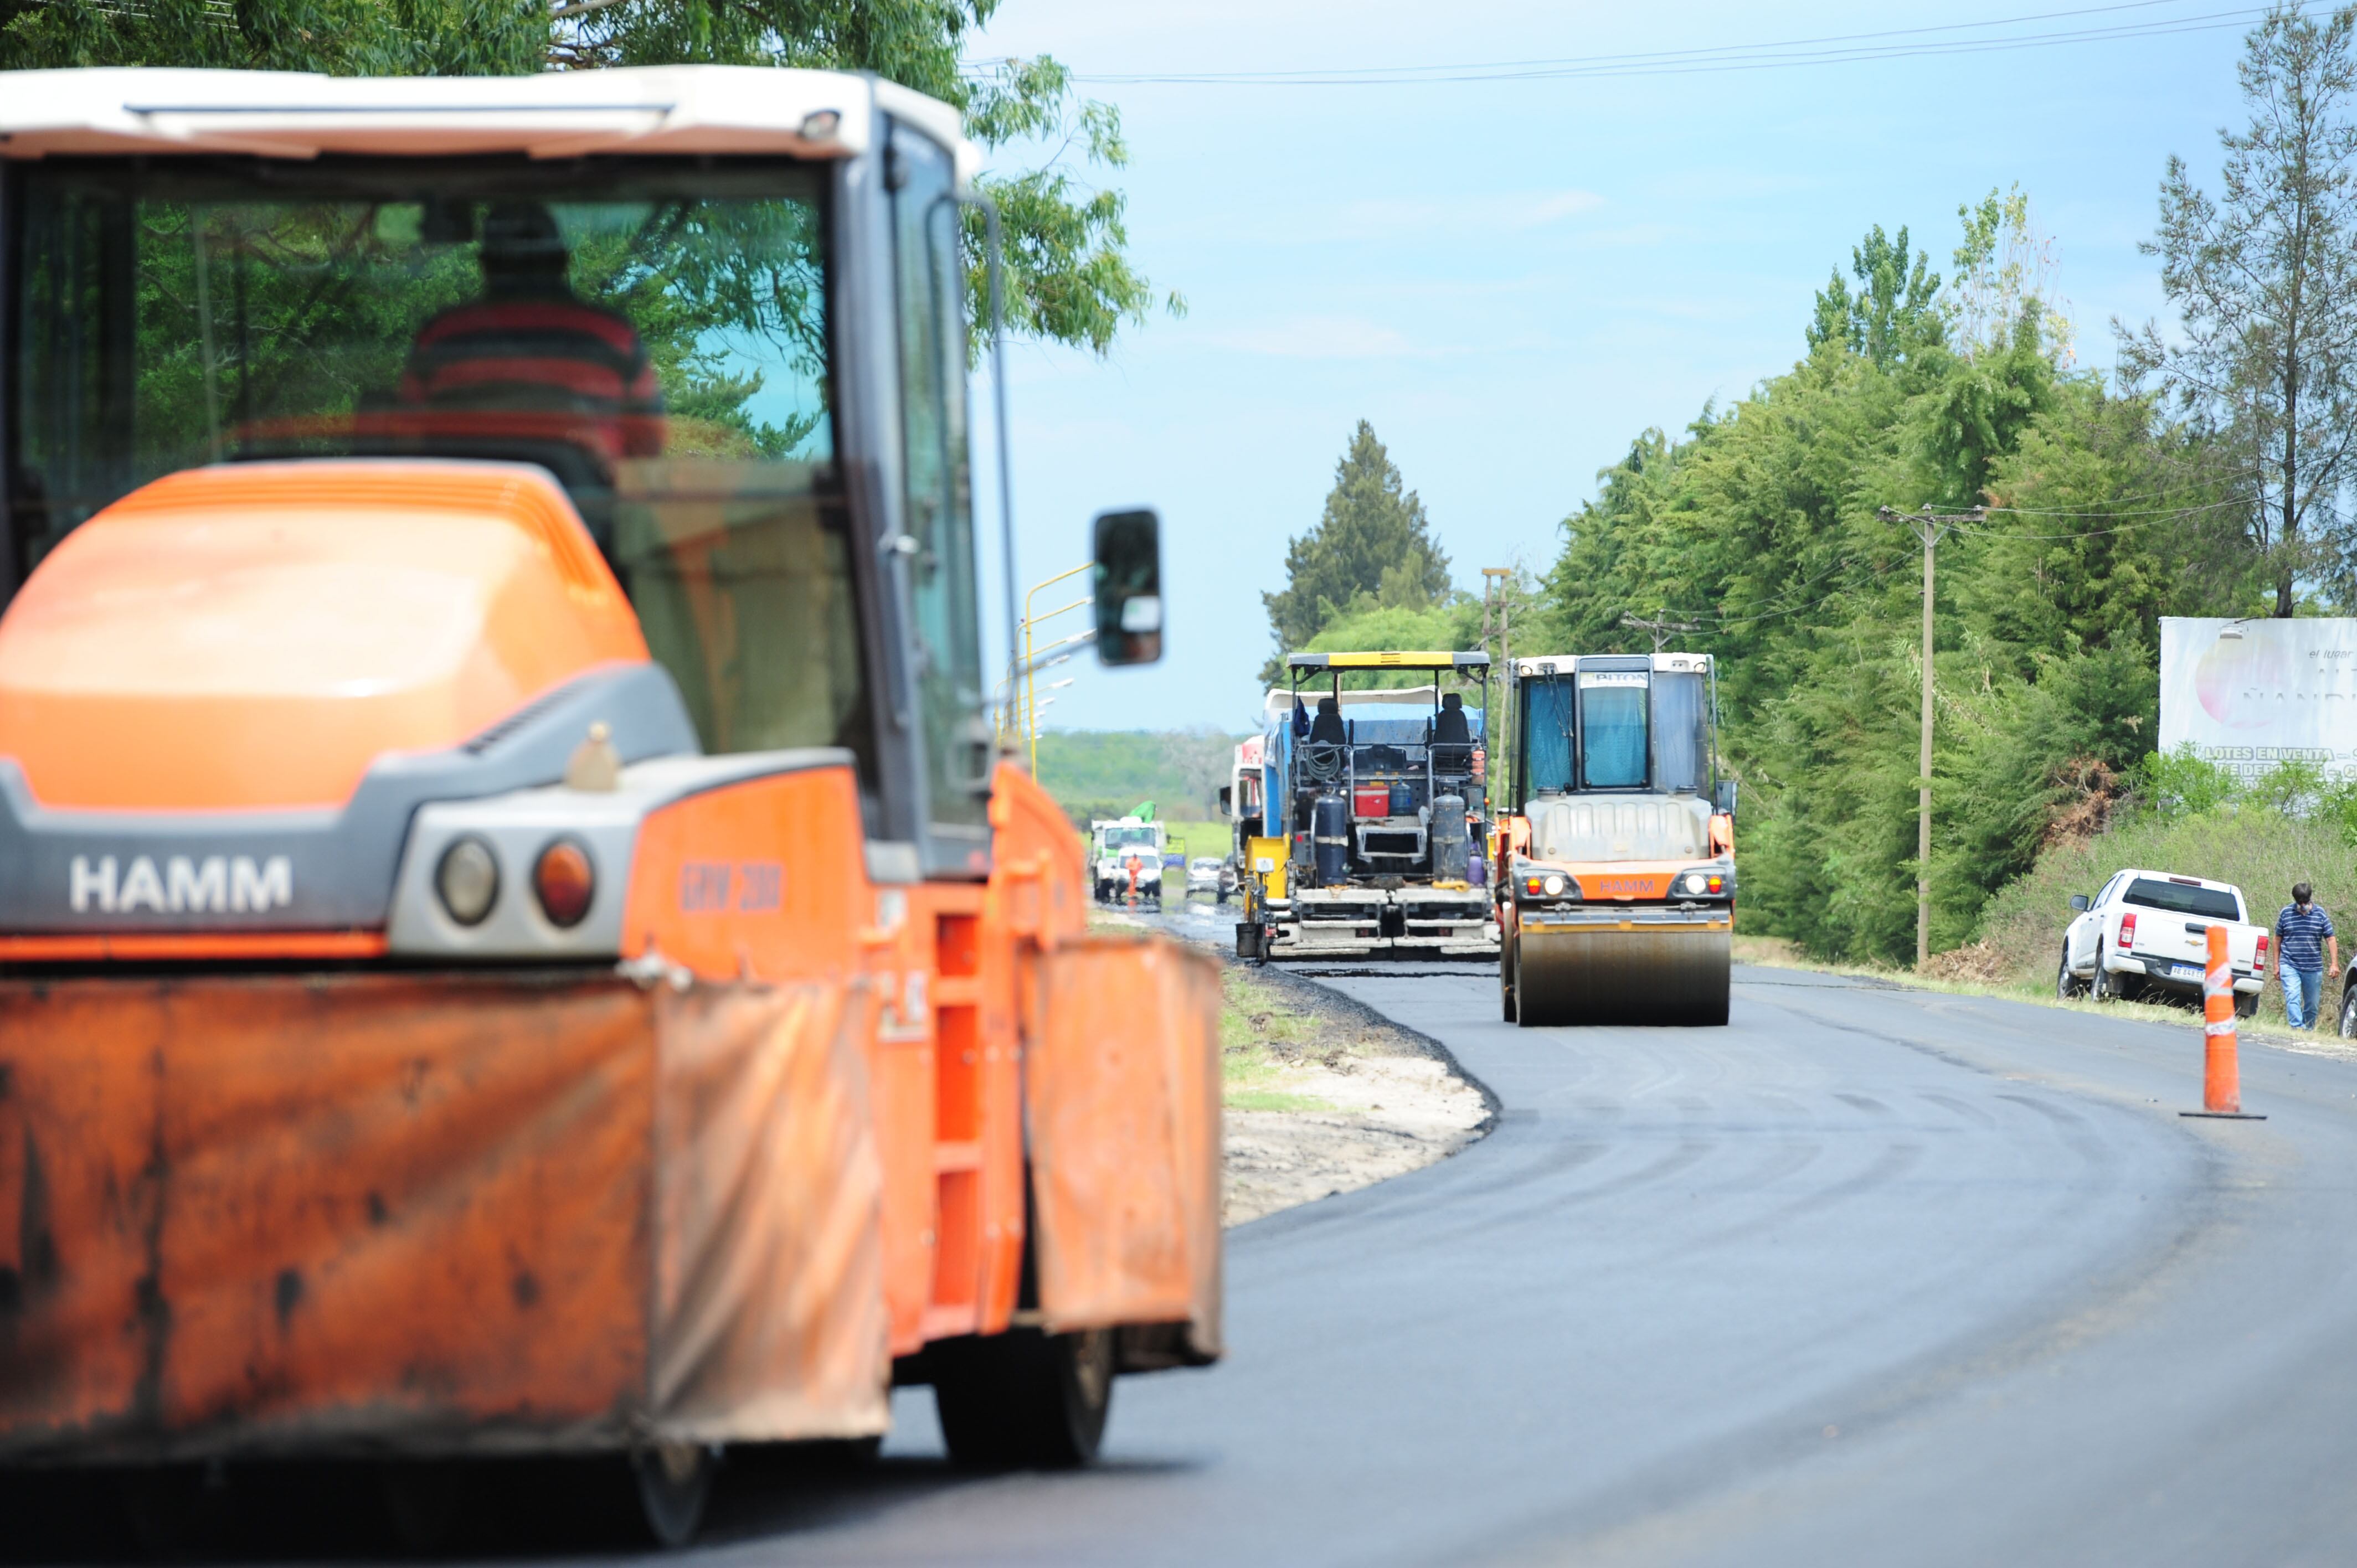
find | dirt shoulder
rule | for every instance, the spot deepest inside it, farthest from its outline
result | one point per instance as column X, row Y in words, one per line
column 1324, row 1096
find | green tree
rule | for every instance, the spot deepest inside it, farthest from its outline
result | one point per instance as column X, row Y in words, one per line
column 1757, row 522
column 1892, row 315
column 2264, row 281
column 1373, row 546
column 1070, row 277
column 341, row 38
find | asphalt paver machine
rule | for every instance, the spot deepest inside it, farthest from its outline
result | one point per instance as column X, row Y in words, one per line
column 513, row 938
column 1615, row 864
column 1373, row 804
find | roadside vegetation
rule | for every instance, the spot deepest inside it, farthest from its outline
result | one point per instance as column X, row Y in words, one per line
column 1265, row 1037
column 1105, row 773
column 2209, row 476
column 2291, row 826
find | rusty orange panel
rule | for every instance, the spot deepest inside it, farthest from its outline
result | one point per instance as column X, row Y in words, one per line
column 763, row 879
column 365, row 1203
column 432, row 1212
column 1124, row 1091
column 769, row 1294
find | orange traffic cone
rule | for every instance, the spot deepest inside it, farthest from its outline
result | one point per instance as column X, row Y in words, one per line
column 2222, row 1074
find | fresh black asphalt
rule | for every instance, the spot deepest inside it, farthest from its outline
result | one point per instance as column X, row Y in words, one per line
column 1870, row 1276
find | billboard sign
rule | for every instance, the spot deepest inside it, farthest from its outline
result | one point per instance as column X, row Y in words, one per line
column 2251, row 694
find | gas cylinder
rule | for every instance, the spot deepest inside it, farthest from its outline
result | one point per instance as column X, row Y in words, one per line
column 1451, row 852
column 1329, row 837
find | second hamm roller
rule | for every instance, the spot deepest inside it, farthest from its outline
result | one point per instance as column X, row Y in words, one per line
column 1616, row 868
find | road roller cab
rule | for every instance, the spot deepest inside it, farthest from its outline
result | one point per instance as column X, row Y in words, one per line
column 1616, row 873
column 1373, row 800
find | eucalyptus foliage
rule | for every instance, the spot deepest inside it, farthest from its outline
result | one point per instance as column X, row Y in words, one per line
column 1761, row 524
column 1069, row 274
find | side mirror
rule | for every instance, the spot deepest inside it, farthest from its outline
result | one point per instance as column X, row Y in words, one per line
column 2078, row 903
column 1227, row 799
column 1722, row 799
column 1129, row 587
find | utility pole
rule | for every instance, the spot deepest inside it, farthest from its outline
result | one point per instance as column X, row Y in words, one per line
column 1495, row 580
column 1662, row 628
column 1930, row 527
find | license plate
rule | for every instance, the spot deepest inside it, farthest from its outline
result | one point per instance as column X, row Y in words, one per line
column 2185, row 971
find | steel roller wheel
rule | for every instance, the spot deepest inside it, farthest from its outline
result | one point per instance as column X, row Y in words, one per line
column 423, row 1501
column 1506, row 982
column 1670, row 978
column 674, row 1483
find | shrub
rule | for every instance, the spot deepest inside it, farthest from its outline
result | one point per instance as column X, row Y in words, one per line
column 2259, row 849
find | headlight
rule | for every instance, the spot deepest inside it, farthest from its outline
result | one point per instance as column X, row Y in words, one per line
column 468, row 880
column 1697, row 883
column 563, row 881
column 1554, row 886
column 1692, row 882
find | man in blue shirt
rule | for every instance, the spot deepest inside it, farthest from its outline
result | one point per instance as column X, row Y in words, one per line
column 2304, row 939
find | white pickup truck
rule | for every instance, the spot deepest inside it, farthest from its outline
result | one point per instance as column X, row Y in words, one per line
column 2150, row 930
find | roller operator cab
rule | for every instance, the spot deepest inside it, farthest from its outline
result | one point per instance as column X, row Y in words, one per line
column 514, row 933
column 1373, row 795
column 1616, row 872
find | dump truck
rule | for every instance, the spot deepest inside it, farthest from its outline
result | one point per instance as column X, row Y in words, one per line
column 1372, row 806
column 1616, row 866
column 514, row 938
column 1125, row 858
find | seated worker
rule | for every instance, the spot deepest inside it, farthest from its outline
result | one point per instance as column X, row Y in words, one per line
column 530, row 346
column 1451, row 727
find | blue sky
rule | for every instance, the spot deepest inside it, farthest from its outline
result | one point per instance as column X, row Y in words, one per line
column 1512, row 279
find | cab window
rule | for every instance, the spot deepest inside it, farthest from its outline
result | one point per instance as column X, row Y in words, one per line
column 654, row 333
column 930, row 277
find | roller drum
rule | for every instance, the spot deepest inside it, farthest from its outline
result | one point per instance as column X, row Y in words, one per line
column 1604, row 974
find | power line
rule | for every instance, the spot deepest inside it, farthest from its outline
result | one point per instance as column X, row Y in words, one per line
column 1846, row 48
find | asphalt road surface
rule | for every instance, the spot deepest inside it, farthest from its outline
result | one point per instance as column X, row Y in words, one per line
column 1869, row 1275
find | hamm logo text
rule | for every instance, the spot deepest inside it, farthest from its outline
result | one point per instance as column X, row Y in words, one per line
column 217, row 885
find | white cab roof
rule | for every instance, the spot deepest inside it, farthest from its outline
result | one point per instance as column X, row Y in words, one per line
column 1561, row 663
column 557, row 114
column 1280, row 698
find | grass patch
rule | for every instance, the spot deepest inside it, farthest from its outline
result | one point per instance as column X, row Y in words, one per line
column 2260, row 851
column 1259, row 1028
column 1272, row 1099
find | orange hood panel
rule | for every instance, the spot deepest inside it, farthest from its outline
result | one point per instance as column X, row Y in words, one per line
column 256, row 635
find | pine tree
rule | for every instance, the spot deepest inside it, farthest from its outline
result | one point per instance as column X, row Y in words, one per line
column 1372, row 547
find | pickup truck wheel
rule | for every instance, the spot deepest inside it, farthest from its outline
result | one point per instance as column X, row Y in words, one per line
column 1024, row 1398
column 2348, row 1011
column 2248, row 1006
column 2101, row 986
column 2067, row 985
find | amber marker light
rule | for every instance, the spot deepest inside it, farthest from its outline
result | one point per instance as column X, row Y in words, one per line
column 563, row 881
